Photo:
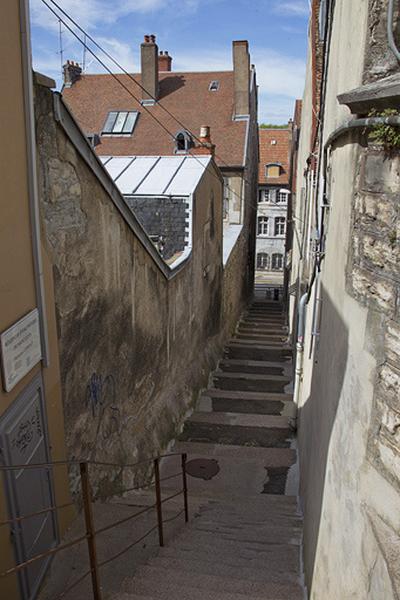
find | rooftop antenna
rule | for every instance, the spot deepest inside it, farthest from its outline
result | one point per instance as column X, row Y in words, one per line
column 84, row 54
column 61, row 51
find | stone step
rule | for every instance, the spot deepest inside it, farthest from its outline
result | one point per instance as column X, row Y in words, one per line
column 240, row 419
column 245, row 472
column 229, row 431
column 250, row 382
column 280, row 337
column 257, row 342
column 168, row 587
column 248, row 406
column 230, row 569
column 214, row 583
column 274, row 559
column 256, row 352
column 215, row 393
column 255, row 366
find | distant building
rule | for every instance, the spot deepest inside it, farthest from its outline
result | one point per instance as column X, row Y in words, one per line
column 185, row 103
column 273, row 196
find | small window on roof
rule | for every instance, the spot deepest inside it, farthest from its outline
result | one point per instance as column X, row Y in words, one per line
column 273, row 170
column 183, row 141
column 120, row 122
column 214, row 86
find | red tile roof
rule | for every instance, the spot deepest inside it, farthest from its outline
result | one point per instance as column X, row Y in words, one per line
column 274, row 153
column 185, row 95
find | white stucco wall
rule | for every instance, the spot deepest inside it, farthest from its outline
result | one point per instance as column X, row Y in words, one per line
column 352, row 512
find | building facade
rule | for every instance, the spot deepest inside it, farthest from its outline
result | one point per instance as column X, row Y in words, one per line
column 273, row 198
column 125, row 121
column 345, row 285
column 31, row 414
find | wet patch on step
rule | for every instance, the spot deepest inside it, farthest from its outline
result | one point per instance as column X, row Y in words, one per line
column 276, row 483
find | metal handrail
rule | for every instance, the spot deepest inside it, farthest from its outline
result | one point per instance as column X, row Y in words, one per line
column 91, row 532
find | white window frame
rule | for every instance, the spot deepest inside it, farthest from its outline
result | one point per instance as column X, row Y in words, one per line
column 278, row 223
column 263, row 221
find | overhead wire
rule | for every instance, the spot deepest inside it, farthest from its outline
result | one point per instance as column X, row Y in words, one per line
column 114, row 75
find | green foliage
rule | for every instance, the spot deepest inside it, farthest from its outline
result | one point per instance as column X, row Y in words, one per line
column 393, row 238
column 387, row 135
column 272, row 126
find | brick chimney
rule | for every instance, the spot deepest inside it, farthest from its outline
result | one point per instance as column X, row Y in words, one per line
column 72, row 72
column 204, row 145
column 164, row 62
column 149, row 62
column 241, row 69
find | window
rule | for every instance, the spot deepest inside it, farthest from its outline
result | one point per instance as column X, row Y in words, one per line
column 280, row 226
column 262, row 261
column 272, row 170
column 277, row 262
column 121, row 123
column 183, row 141
column 262, row 226
column 281, row 197
column 265, row 196
column 214, row 86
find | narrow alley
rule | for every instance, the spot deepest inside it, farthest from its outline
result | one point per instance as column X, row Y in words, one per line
column 244, row 540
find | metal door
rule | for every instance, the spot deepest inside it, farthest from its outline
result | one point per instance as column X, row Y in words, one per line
column 24, row 441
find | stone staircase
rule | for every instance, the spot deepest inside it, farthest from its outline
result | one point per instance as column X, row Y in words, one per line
column 244, row 540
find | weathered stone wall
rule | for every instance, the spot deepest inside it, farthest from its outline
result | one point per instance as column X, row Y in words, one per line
column 373, row 277
column 135, row 346
column 165, row 217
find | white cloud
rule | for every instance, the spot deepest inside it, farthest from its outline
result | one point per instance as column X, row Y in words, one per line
column 295, row 8
column 90, row 14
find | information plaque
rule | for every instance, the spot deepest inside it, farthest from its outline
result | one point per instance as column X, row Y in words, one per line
column 20, row 349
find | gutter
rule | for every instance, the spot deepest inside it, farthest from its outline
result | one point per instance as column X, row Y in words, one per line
column 32, row 178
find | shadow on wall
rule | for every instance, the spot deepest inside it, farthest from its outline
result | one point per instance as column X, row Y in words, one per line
column 316, row 421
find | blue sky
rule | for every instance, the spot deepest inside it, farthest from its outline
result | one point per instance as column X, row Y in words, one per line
column 198, row 35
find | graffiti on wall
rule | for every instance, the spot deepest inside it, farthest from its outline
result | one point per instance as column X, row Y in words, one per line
column 101, row 401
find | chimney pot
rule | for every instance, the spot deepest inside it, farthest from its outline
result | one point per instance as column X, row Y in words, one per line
column 241, row 68
column 149, row 66
column 72, row 73
column 164, row 61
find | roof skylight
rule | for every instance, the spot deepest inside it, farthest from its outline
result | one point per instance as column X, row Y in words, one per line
column 120, row 122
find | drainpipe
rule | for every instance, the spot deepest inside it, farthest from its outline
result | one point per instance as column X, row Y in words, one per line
column 390, row 37
column 300, row 346
column 32, row 177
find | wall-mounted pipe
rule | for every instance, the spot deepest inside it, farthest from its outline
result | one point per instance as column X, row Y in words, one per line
column 390, row 36
column 32, row 177
column 301, row 324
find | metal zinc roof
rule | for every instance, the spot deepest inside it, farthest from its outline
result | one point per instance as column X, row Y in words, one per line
column 156, row 175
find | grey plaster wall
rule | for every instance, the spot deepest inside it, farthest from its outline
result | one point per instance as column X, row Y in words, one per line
column 165, row 217
column 135, row 346
column 349, row 414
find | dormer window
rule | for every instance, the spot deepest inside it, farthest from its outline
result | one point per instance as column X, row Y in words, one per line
column 214, row 86
column 273, row 170
column 183, row 142
column 120, row 122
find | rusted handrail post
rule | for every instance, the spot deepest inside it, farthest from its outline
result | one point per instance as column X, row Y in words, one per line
column 158, row 501
column 185, row 491
column 91, row 541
